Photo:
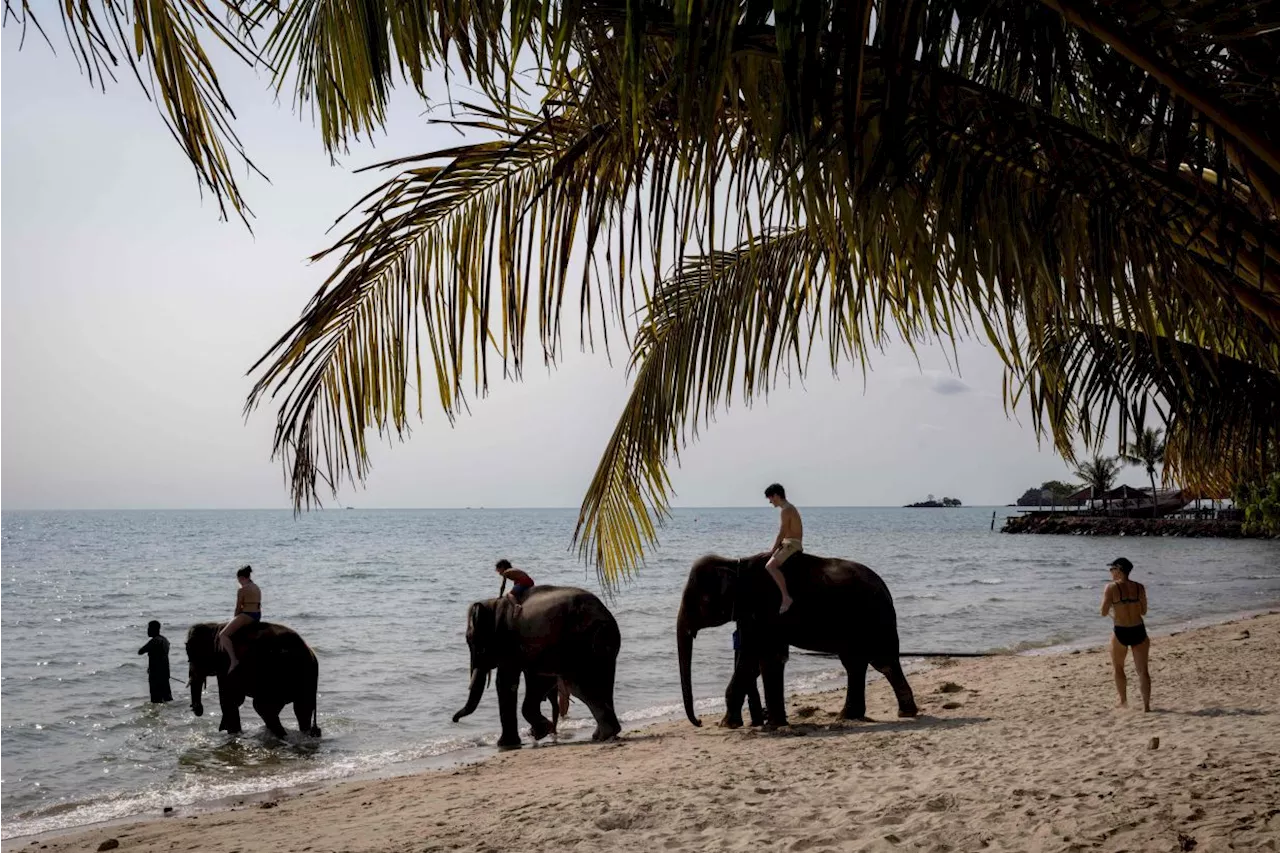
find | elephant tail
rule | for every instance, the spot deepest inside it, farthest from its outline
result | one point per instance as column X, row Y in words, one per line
column 309, row 685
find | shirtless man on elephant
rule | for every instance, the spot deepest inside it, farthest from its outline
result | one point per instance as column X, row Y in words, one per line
column 788, row 542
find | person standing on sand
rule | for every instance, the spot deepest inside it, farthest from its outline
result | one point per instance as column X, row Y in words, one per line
column 157, row 651
column 248, row 611
column 1126, row 602
column 788, row 542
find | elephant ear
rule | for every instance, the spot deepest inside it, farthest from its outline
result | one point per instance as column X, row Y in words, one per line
column 480, row 627
column 198, row 636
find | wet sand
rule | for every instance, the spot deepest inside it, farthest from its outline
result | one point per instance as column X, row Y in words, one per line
column 1030, row 753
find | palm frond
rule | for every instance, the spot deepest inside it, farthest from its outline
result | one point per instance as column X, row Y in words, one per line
column 1221, row 414
column 160, row 41
column 345, row 55
column 827, row 174
column 737, row 321
column 441, row 261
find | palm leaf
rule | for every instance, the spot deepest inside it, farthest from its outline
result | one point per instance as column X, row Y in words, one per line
column 160, row 42
column 1221, row 414
column 441, row 262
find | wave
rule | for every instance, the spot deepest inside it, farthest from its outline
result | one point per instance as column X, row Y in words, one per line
column 201, row 792
column 1052, row 641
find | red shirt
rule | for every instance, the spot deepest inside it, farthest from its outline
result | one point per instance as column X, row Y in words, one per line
column 517, row 577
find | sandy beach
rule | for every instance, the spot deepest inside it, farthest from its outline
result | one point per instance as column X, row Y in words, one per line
column 1010, row 753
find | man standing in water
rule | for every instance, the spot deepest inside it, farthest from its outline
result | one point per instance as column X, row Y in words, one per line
column 157, row 652
column 1126, row 602
column 787, row 543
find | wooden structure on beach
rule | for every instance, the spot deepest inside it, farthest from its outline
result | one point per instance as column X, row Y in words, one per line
column 1123, row 501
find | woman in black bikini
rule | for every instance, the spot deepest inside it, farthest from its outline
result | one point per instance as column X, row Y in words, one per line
column 1126, row 602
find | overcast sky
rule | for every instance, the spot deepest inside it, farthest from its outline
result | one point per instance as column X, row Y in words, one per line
column 131, row 313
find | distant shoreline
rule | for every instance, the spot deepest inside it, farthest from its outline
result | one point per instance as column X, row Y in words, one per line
column 335, row 508
column 1060, row 524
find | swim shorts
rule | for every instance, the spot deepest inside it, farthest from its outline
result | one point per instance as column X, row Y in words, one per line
column 788, row 549
column 1132, row 636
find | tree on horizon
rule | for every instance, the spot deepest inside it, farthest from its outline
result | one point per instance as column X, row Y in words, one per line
column 1147, row 450
column 1099, row 474
column 1093, row 189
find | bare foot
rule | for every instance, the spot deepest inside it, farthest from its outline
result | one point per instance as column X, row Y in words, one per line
column 786, row 605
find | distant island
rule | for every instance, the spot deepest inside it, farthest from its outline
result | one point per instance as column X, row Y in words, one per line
column 1049, row 492
column 931, row 503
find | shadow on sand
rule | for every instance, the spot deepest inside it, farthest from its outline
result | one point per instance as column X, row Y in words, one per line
column 1215, row 712
column 841, row 728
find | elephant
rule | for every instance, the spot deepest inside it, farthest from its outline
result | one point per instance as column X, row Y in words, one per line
column 553, row 632
column 276, row 667
column 841, row 607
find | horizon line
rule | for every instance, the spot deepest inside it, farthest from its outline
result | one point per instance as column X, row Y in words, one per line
column 457, row 508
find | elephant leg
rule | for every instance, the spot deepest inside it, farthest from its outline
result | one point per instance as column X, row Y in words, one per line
column 536, row 688
column 508, row 689
column 269, row 710
column 230, row 701
column 753, row 702
column 304, row 710
column 746, row 667
column 771, row 668
column 892, row 670
column 855, row 701
column 596, row 692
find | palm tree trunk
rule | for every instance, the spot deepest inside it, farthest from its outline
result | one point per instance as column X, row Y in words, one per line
column 1151, row 472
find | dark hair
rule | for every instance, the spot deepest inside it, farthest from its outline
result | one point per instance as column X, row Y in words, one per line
column 776, row 489
column 153, row 628
column 1122, row 564
column 502, row 565
column 245, row 571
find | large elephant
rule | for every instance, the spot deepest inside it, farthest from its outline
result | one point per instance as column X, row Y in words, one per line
column 841, row 607
column 276, row 667
column 554, row 632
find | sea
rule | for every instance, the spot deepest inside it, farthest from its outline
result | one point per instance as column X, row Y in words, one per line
column 382, row 596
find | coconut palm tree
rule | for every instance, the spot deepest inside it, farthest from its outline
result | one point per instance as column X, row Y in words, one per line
column 1091, row 187
column 1099, row 474
column 1147, row 450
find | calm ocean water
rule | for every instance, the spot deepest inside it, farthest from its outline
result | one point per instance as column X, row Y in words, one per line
column 381, row 595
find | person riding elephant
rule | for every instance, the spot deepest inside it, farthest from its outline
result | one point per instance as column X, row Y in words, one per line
column 554, row 632
column 276, row 668
column 840, row 607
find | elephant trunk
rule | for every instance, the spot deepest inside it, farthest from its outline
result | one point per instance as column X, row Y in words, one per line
column 684, row 646
column 197, row 688
column 478, row 677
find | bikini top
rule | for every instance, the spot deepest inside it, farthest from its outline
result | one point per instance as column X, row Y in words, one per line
column 1137, row 593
